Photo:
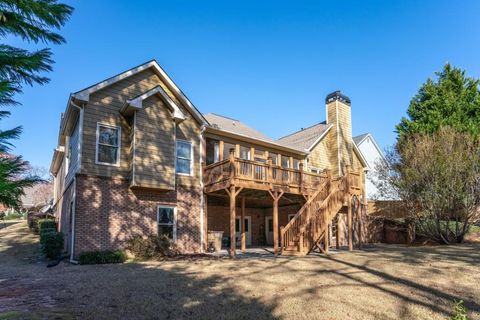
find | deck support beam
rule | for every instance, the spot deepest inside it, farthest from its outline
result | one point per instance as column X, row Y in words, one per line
column 276, row 197
column 337, row 236
column 327, row 239
column 244, row 240
column 233, row 193
column 205, row 221
column 232, row 221
column 349, row 224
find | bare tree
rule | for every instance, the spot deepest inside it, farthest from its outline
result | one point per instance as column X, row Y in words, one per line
column 437, row 176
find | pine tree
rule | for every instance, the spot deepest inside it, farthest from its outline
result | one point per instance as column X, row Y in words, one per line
column 33, row 21
column 452, row 100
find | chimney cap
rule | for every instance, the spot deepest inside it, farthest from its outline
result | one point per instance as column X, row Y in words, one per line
column 337, row 95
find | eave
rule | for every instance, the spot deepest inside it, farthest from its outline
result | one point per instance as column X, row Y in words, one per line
column 256, row 141
column 57, row 160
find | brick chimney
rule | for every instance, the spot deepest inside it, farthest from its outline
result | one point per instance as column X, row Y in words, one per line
column 338, row 108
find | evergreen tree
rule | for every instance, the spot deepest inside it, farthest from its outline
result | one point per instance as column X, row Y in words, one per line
column 33, row 21
column 452, row 100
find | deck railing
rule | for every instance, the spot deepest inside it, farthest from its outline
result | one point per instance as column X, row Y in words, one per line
column 242, row 171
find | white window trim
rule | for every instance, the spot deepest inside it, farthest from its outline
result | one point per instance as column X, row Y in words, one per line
column 318, row 170
column 191, row 159
column 119, row 144
column 174, row 219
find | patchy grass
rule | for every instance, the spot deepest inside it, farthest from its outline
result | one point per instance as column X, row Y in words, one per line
column 381, row 282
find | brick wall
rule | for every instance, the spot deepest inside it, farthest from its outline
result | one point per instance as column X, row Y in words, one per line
column 108, row 213
column 219, row 219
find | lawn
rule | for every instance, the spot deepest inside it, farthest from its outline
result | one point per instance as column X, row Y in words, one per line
column 381, row 282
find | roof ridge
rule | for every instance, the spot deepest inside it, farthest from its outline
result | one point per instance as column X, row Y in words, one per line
column 219, row 115
column 302, row 129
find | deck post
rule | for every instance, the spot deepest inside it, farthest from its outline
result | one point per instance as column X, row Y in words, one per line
column 232, row 221
column 326, row 239
column 205, row 221
column 269, row 172
column 301, row 177
column 349, row 224
column 337, row 236
column 275, row 223
column 220, row 150
column 244, row 243
column 232, row 164
column 282, row 241
column 276, row 197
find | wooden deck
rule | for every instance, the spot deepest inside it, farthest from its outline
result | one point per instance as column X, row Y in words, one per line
column 234, row 175
column 257, row 175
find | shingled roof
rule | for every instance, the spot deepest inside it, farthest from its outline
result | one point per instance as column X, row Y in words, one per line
column 359, row 138
column 235, row 126
column 304, row 138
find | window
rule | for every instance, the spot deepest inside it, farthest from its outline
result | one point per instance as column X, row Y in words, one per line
column 274, row 157
column 315, row 170
column 244, row 153
column 184, row 157
column 296, row 164
column 226, row 150
column 108, row 144
column 166, row 222
column 213, row 151
column 285, row 162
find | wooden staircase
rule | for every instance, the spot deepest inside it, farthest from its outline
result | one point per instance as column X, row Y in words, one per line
column 309, row 226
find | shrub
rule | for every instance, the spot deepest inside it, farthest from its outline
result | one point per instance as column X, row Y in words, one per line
column 102, row 257
column 46, row 224
column 14, row 216
column 32, row 220
column 151, row 247
column 51, row 243
column 459, row 311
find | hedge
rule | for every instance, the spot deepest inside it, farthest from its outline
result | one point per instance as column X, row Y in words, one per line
column 51, row 243
column 46, row 224
column 102, row 257
column 151, row 247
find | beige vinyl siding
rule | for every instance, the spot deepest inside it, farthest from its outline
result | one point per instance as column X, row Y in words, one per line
column 339, row 139
column 59, row 182
column 154, row 159
column 319, row 157
column 189, row 130
column 72, row 148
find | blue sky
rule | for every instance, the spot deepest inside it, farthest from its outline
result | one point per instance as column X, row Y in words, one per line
column 267, row 63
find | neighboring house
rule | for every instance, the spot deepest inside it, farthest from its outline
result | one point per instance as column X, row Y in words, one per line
column 37, row 197
column 373, row 156
column 135, row 157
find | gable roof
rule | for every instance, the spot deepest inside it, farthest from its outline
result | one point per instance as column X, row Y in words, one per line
column 362, row 137
column 359, row 139
column 306, row 138
column 235, row 126
column 137, row 103
column 84, row 95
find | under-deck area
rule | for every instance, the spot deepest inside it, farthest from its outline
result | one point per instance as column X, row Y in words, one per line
column 251, row 201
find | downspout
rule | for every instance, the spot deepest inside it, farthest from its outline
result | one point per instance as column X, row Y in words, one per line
column 74, row 205
column 202, row 197
column 74, row 208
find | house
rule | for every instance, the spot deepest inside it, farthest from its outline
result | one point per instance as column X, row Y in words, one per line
column 373, row 156
column 136, row 157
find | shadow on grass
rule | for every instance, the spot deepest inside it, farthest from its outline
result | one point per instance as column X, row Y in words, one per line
column 429, row 294
column 8, row 223
column 158, row 293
